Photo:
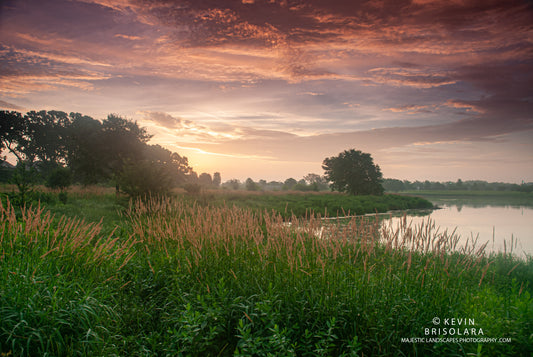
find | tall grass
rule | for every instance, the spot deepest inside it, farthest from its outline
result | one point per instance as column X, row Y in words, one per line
column 51, row 300
column 202, row 280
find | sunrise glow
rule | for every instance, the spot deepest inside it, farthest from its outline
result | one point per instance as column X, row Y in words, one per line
column 435, row 90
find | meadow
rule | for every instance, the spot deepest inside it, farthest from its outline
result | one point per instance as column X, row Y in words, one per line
column 183, row 276
column 481, row 198
column 302, row 204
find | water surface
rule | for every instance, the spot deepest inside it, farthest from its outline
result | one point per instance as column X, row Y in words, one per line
column 504, row 227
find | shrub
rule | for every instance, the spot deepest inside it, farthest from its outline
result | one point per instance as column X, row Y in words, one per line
column 24, row 177
column 60, row 178
column 145, row 179
column 193, row 188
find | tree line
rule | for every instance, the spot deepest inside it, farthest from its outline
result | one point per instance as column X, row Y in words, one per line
column 310, row 182
column 395, row 185
column 59, row 148
column 352, row 172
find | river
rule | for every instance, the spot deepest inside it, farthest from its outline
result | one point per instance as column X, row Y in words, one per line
column 506, row 227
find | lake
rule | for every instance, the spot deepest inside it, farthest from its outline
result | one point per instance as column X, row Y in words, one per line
column 490, row 221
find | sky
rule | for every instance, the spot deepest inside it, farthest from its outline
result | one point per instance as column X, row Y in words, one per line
column 267, row 89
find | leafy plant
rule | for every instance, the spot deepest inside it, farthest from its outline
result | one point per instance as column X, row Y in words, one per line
column 24, row 177
column 60, row 178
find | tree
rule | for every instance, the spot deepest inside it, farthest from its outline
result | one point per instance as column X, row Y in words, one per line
column 233, row 184
column 47, row 138
column 154, row 174
column 44, row 142
column 289, row 183
column 144, row 179
column 251, row 185
column 39, row 137
column 173, row 165
column 124, row 142
column 24, row 177
column 86, row 149
column 354, row 172
column 59, row 179
column 317, row 182
column 217, row 179
column 393, row 185
column 205, row 179
column 12, row 130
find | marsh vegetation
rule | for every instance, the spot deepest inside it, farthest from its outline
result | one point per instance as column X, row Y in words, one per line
column 179, row 276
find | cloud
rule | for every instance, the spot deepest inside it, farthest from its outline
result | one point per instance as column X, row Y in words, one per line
column 165, row 120
column 10, row 106
column 278, row 145
column 315, row 40
column 409, row 77
column 410, row 109
column 282, row 80
column 190, row 131
column 30, row 71
column 128, row 37
column 461, row 104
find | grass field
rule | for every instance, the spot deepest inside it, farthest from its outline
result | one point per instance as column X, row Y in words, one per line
column 185, row 277
column 302, row 204
column 498, row 198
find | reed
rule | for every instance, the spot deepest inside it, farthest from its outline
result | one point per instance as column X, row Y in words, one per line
column 195, row 279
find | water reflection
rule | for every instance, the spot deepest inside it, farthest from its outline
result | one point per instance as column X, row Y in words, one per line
column 505, row 226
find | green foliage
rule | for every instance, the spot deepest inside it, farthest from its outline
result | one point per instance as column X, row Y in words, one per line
column 181, row 279
column 251, row 185
column 94, row 151
column 63, row 197
column 143, row 179
column 330, row 204
column 217, row 179
column 24, row 177
column 86, row 150
column 5, row 172
column 464, row 187
column 193, row 188
column 12, row 130
column 233, row 184
column 205, row 180
column 354, row 172
column 60, row 178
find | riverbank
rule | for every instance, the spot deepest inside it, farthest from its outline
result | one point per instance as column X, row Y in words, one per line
column 299, row 204
column 86, row 202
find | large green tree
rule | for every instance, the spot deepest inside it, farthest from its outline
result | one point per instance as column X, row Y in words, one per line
column 38, row 142
column 94, row 151
column 156, row 173
column 36, row 136
column 47, row 133
column 12, row 134
column 124, row 141
column 86, row 150
column 354, row 172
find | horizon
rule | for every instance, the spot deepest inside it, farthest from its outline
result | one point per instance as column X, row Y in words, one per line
column 268, row 89
column 12, row 161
